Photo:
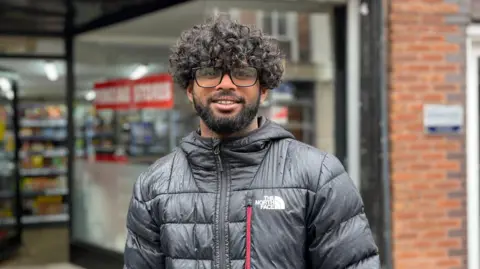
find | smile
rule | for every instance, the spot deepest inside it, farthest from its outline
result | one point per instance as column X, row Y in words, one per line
column 225, row 102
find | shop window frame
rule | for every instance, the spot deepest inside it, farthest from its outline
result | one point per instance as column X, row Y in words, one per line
column 291, row 35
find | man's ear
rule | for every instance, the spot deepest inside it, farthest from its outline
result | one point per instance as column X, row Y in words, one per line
column 263, row 94
column 190, row 92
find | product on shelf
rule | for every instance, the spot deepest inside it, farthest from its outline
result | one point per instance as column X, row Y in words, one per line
column 45, row 205
column 43, row 183
column 3, row 122
column 46, row 132
column 6, row 209
column 39, row 161
column 40, row 112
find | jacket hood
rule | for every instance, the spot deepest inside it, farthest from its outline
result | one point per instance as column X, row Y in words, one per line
column 241, row 154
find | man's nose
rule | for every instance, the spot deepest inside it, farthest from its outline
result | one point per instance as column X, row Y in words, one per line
column 226, row 83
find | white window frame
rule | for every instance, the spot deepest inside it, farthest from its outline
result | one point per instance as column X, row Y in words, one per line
column 292, row 30
column 234, row 13
column 472, row 145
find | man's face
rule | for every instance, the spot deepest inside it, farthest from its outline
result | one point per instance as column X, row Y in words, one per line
column 226, row 105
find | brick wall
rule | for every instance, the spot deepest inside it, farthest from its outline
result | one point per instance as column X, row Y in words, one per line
column 427, row 62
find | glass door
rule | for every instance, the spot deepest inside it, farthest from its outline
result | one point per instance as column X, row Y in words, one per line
column 10, row 228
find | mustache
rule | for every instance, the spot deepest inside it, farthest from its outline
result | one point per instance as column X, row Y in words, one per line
column 229, row 94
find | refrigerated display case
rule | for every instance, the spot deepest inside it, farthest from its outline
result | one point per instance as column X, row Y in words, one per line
column 10, row 227
column 43, row 163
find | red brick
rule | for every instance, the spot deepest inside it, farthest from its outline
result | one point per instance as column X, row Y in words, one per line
column 422, row 6
column 427, row 221
column 432, row 57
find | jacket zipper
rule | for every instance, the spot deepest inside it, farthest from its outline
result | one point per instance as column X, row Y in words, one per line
column 221, row 211
column 248, row 240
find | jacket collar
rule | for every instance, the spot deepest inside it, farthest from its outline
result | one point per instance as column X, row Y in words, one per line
column 236, row 152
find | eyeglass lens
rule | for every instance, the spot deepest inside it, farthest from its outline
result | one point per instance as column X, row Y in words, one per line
column 211, row 77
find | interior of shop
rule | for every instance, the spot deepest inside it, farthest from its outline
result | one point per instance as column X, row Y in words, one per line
column 116, row 138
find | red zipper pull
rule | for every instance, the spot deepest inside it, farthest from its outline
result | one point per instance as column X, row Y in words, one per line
column 248, row 239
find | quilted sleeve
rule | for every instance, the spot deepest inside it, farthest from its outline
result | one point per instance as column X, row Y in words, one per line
column 142, row 248
column 339, row 232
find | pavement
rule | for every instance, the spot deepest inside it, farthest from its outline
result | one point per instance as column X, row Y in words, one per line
column 47, row 266
column 45, row 248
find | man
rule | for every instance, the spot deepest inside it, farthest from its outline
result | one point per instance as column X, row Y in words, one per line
column 241, row 192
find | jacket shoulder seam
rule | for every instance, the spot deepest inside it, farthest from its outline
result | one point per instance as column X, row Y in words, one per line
column 287, row 155
column 171, row 171
column 263, row 160
column 320, row 174
column 144, row 176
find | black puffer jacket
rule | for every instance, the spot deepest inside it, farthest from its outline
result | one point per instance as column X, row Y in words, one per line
column 264, row 201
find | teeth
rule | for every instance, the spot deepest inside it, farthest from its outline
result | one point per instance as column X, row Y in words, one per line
column 225, row 102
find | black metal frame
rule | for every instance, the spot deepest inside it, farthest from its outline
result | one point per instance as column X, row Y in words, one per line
column 32, row 56
column 18, row 200
column 10, row 246
column 340, row 48
column 70, row 96
column 126, row 14
column 375, row 184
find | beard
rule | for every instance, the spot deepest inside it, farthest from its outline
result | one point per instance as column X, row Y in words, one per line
column 226, row 125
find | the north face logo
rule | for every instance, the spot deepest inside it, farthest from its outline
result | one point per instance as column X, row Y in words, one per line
column 271, row 203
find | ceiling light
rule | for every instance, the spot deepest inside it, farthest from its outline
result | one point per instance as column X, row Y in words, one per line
column 90, row 95
column 51, row 71
column 9, row 95
column 5, row 84
column 139, row 72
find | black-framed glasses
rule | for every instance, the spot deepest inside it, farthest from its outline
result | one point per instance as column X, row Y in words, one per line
column 209, row 77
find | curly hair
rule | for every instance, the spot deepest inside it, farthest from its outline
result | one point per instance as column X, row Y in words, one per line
column 221, row 42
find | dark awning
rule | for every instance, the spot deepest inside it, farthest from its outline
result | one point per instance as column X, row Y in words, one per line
column 32, row 17
column 47, row 17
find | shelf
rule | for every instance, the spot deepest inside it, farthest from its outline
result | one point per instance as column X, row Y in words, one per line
column 5, row 194
column 43, row 123
column 7, row 221
column 5, row 173
column 6, row 155
column 101, row 135
column 44, row 138
column 42, row 171
column 47, row 192
column 59, row 152
column 31, row 220
column 60, row 218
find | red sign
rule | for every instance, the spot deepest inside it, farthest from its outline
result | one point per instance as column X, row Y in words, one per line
column 148, row 92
